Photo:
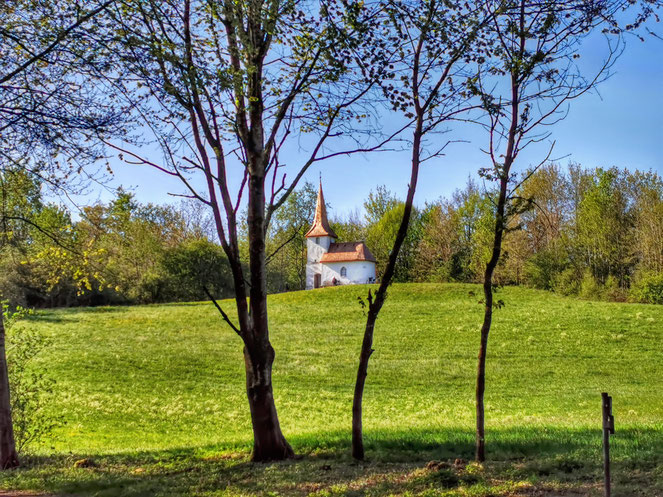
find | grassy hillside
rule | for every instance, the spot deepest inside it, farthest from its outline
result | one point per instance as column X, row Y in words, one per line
column 155, row 395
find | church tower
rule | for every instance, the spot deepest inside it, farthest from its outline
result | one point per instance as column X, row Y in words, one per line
column 318, row 240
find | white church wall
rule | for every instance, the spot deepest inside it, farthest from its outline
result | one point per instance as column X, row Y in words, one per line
column 357, row 272
column 316, row 247
column 312, row 269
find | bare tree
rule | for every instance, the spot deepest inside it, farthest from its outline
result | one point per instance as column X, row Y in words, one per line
column 226, row 88
column 47, row 118
column 437, row 41
column 533, row 78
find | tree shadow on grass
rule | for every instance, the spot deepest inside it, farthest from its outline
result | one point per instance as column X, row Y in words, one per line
column 522, row 461
column 72, row 314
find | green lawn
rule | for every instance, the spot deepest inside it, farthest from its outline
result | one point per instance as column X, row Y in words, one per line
column 155, row 396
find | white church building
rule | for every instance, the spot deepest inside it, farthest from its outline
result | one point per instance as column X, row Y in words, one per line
column 330, row 263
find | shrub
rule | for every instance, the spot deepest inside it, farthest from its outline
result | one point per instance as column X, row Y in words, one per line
column 590, row 288
column 648, row 288
column 30, row 389
column 612, row 291
column 194, row 264
column 542, row 268
column 567, row 282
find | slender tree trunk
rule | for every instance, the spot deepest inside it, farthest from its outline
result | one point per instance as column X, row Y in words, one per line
column 488, row 311
column 374, row 305
column 481, row 368
column 362, row 372
column 500, row 225
column 269, row 444
column 8, row 456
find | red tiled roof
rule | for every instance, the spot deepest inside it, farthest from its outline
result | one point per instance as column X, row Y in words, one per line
column 348, row 252
column 320, row 223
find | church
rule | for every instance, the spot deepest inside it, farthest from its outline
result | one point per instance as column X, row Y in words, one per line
column 330, row 263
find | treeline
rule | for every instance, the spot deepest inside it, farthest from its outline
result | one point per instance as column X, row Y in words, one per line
column 594, row 233
column 115, row 253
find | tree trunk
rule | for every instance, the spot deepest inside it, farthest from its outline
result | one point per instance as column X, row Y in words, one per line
column 488, row 310
column 362, row 372
column 269, row 444
column 374, row 305
column 8, row 456
column 498, row 233
column 481, row 370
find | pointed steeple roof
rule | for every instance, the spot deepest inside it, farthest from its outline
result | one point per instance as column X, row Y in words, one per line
column 320, row 223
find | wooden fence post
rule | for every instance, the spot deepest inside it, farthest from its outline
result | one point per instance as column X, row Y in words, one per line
column 608, row 429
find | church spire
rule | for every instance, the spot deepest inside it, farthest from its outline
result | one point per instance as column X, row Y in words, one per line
column 320, row 223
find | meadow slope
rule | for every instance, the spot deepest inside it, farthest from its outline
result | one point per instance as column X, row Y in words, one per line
column 155, row 396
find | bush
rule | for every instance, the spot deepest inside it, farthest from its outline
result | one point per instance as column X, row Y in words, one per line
column 612, row 291
column 30, row 389
column 567, row 282
column 152, row 287
column 541, row 269
column 648, row 288
column 590, row 289
column 194, row 264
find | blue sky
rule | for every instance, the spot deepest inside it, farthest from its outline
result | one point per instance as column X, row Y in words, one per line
column 623, row 127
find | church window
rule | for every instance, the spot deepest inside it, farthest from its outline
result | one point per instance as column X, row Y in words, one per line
column 317, row 240
column 344, row 272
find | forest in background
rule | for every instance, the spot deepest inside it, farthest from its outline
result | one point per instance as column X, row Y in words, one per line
column 594, row 233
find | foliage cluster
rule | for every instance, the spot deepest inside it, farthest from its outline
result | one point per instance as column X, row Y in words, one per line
column 595, row 233
column 32, row 389
column 119, row 252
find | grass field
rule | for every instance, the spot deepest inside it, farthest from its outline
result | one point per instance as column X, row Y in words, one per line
column 154, row 395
